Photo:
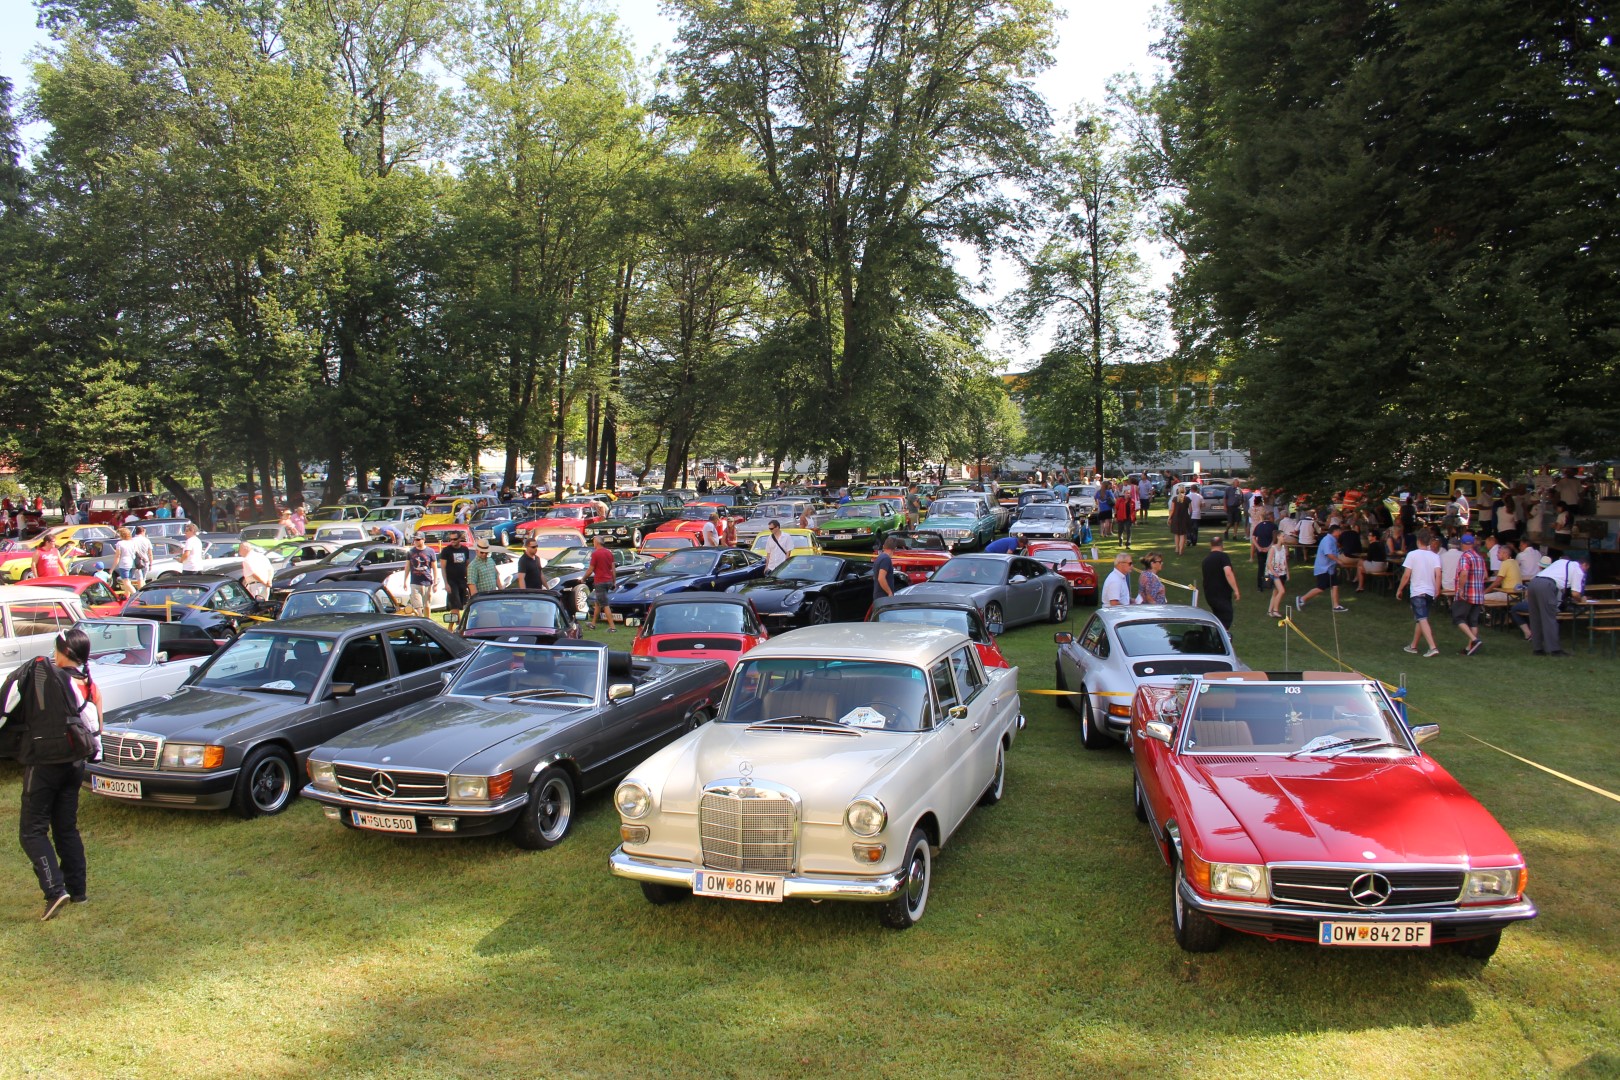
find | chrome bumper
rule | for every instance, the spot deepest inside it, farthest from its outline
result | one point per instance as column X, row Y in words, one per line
column 331, row 798
column 820, row 887
column 1491, row 913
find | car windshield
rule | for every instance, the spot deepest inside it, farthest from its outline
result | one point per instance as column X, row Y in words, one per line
column 386, row 513
column 262, row 660
column 696, row 513
column 684, row 562
column 954, row 508
column 854, row 694
column 776, row 510
column 1086, row 489
column 158, row 595
column 262, row 532
column 120, row 643
column 323, row 601
column 552, row 675
column 1306, row 718
column 763, row 543
column 814, row 568
column 945, row 618
column 685, row 618
column 1043, row 512
column 970, row 571
column 570, row 558
column 439, row 536
column 565, row 512
column 508, row 612
column 1054, row 558
column 861, row 510
column 1169, row 637
column 923, row 542
column 345, row 556
column 492, row 513
column 666, row 543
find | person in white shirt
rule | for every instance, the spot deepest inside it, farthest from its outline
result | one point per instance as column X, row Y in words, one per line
column 1116, row 590
column 777, row 548
column 1195, row 513
column 1464, row 510
column 711, row 531
column 256, row 571
column 1529, row 559
column 1307, row 529
column 1544, row 593
column 191, row 552
column 1421, row 579
column 124, row 562
column 1450, row 559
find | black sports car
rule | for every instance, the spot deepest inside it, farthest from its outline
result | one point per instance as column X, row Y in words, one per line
column 810, row 589
column 515, row 616
column 692, row 570
column 367, row 560
column 215, row 605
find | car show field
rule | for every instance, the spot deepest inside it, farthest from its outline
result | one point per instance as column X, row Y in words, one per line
column 285, row 947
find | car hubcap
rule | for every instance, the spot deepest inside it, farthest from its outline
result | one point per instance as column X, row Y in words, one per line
column 270, row 783
column 992, row 613
column 556, row 806
column 1179, row 913
column 821, row 612
column 916, row 881
column 1061, row 606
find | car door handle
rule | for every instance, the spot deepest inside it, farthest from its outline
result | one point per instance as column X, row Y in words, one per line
column 667, row 697
column 976, row 726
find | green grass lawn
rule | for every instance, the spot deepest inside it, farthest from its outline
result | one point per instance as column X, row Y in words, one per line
column 291, row 947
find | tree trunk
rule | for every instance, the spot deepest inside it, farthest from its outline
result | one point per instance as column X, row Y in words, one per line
column 187, row 501
column 385, row 479
column 294, row 472
column 838, row 464
column 205, row 521
column 267, row 479
column 562, row 410
column 360, row 477
column 776, row 469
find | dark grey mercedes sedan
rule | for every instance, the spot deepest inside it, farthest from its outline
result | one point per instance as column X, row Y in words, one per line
column 233, row 734
column 513, row 741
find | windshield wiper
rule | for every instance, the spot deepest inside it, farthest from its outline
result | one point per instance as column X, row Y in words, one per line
column 1339, row 745
column 800, row 719
column 518, row 695
column 1376, row 744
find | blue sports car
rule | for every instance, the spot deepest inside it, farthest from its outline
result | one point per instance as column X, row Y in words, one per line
column 701, row 569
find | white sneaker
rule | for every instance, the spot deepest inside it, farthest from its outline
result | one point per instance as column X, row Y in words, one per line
column 1432, row 652
column 1411, row 649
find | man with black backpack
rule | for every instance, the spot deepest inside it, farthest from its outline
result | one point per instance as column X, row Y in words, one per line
column 52, row 717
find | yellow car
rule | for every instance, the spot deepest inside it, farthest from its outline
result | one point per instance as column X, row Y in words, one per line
column 801, row 541
column 14, row 564
column 437, row 514
column 333, row 515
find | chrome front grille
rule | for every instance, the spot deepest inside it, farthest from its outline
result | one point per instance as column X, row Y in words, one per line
column 130, row 751
column 1333, row 887
column 392, row 785
column 750, row 830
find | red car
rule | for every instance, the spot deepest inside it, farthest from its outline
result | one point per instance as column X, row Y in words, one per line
column 574, row 516
column 1301, row 806
column 921, row 553
column 437, row 536
column 1067, row 560
column 942, row 611
column 94, row 596
column 689, row 521
column 699, row 626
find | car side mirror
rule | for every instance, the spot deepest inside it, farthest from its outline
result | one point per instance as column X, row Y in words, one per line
column 452, row 620
column 342, row 689
column 995, row 629
column 1424, row 732
column 1158, row 729
column 445, row 677
column 620, row 691
column 957, row 712
column 1017, row 579
column 1063, row 637
column 161, row 658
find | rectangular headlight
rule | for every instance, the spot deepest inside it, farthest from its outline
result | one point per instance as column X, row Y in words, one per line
column 1242, row 881
column 1493, row 886
column 192, row 756
column 469, row 789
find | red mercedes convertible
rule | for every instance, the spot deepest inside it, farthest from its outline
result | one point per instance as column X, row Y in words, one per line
column 1301, row 806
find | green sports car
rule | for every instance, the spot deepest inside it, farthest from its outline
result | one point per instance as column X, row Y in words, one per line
column 860, row 526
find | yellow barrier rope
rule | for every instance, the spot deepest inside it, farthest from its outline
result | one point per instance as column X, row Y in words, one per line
column 1288, row 622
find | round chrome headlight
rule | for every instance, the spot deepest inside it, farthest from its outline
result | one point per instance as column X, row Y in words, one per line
column 633, row 800
column 866, row 816
column 793, row 599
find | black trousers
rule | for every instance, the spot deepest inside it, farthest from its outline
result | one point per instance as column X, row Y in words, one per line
column 50, row 809
column 1222, row 610
column 1260, row 569
column 455, row 590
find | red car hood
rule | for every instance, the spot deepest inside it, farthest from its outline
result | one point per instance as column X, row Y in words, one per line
column 1353, row 811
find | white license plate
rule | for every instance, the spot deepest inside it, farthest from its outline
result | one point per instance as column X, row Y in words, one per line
column 123, row 789
column 840, row 536
column 738, row 886
column 1403, row 935
column 384, row 822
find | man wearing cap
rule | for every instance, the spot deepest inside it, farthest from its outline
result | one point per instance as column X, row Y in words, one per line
column 481, row 575
column 1546, row 590
column 1469, row 597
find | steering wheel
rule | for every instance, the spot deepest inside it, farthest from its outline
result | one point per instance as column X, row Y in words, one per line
column 891, row 712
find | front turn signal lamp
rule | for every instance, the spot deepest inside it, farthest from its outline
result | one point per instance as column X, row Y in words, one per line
column 192, row 756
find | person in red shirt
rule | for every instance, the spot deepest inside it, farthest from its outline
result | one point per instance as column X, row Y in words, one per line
column 601, row 582
column 48, row 561
column 1125, row 513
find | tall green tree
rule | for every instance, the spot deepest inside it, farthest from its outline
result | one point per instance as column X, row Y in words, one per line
column 1401, row 225
column 881, row 132
column 1085, row 282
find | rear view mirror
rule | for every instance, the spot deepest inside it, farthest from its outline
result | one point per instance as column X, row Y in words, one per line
column 1062, row 637
column 995, row 629
column 957, row 712
column 343, row 689
column 452, row 620
column 446, row 676
column 161, row 658
column 1424, row 732
column 1158, row 729
column 620, row 691
column 1017, row 579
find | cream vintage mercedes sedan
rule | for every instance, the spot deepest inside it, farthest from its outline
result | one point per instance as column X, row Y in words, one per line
column 843, row 755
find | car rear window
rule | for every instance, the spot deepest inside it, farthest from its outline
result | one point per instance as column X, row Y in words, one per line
column 1166, row 637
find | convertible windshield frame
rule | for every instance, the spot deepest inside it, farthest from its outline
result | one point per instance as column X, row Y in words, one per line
column 1306, row 719
column 498, row 670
